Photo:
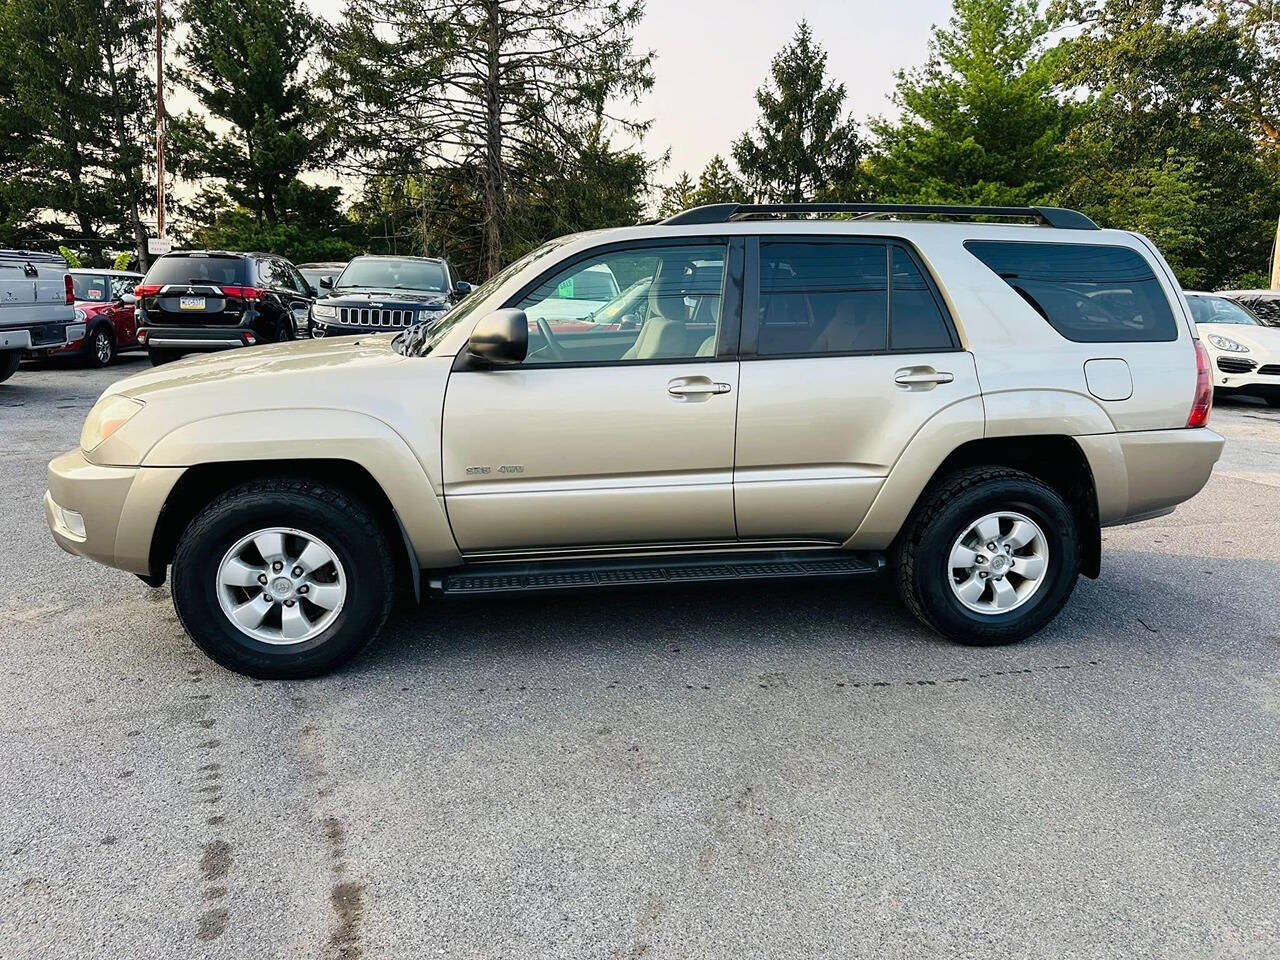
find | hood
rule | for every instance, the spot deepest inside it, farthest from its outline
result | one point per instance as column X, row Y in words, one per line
column 1263, row 342
column 312, row 360
column 383, row 298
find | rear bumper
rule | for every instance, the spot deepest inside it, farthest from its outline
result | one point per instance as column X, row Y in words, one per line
column 35, row 337
column 197, row 338
column 1143, row 474
column 107, row 514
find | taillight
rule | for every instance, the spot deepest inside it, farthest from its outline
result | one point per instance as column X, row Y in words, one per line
column 1204, row 389
column 147, row 290
column 70, row 287
column 244, row 293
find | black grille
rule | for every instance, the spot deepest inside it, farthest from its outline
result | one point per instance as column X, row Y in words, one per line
column 1270, row 370
column 1236, row 365
column 374, row 317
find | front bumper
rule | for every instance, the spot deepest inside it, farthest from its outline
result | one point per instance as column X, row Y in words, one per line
column 328, row 328
column 196, row 338
column 107, row 514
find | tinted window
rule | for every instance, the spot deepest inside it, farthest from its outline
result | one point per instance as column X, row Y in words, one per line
column 1220, row 310
column 390, row 274
column 123, row 285
column 197, row 268
column 822, row 297
column 916, row 321
column 1088, row 293
column 96, row 289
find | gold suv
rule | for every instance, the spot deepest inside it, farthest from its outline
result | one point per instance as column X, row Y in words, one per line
column 738, row 392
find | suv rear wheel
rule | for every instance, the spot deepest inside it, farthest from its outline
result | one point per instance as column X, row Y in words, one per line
column 989, row 556
column 283, row 578
column 9, row 361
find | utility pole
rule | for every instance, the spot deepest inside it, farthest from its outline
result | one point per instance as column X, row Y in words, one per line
column 159, row 120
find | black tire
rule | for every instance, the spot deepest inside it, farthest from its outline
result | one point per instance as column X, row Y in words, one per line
column 100, row 349
column 342, row 521
column 9, row 361
column 1272, row 401
column 922, row 552
column 158, row 355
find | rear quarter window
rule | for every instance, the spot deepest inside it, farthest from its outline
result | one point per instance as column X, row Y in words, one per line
column 1089, row 293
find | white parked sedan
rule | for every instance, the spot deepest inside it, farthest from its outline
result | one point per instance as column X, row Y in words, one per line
column 1245, row 351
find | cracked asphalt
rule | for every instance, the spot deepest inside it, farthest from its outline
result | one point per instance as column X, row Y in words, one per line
column 738, row 772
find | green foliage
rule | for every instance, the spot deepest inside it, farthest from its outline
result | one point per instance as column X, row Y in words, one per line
column 73, row 99
column 122, row 261
column 246, row 61
column 980, row 121
column 308, row 227
column 69, row 255
column 802, row 146
column 681, row 195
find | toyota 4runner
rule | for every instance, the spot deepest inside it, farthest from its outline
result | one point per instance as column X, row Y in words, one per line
column 961, row 397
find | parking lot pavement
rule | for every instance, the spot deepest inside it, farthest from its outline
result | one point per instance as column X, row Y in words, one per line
column 734, row 772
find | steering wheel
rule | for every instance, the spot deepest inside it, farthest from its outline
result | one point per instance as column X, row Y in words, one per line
column 553, row 347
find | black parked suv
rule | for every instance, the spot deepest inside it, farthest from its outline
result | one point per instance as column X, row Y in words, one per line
column 385, row 293
column 213, row 300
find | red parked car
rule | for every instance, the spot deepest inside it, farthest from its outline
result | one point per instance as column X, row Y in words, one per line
column 105, row 306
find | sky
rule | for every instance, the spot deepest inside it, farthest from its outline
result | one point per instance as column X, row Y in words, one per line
column 712, row 55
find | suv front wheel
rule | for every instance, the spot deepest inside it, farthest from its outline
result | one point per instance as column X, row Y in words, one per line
column 989, row 556
column 283, row 578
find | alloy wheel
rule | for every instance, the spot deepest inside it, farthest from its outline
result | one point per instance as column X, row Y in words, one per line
column 998, row 563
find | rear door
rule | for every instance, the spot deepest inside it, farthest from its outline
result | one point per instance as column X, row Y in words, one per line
column 847, row 351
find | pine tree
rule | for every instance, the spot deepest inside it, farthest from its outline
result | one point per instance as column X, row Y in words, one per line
column 483, row 93
column 681, row 195
column 981, row 121
column 802, row 148
column 717, row 184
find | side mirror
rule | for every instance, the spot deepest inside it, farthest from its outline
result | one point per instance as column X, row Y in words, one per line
column 462, row 289
column 128, row 300
column 501, row 337
column 326, row 283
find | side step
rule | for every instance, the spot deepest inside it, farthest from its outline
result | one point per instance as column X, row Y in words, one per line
column 508, row 577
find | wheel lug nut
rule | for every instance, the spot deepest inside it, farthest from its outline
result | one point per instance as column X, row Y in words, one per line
column 262, row 579
column 297, row 571
column 289, row 603
column 991, row 546
column 303, row 589
column 277, row 566
column 267, row 597
column 983, row 575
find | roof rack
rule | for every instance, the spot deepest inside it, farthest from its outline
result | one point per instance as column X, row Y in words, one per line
column 1058, row 217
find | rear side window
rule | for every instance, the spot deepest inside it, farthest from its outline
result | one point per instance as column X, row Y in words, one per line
column 198, row 268
column 1089, row 293
column 822, row 297
column 93, row 288
column 915, row 320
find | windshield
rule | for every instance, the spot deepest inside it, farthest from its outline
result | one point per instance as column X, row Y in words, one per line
column 421, row 339
column 1220, row 310
column 313, row 274
column 394, row 275
column 198, row 268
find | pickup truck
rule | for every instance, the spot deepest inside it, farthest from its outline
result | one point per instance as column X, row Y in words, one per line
column 36, row 305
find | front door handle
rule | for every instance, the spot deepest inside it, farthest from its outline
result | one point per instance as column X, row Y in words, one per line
column 695, row 388
column 925, row 377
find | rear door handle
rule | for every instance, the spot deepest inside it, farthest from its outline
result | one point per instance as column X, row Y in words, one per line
column 916, row 377
column 695, row 388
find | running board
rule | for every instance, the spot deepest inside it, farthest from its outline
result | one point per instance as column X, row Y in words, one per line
column 492, row 578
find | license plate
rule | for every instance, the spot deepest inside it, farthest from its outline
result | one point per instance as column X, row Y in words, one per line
column 191, row 303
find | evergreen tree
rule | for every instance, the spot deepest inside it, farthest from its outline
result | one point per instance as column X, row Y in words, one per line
column 717, row 184
column 802, row 148
column 73, row 107
column 484, row 93
column 981, row 121
column 681, row 195
column 247, row 62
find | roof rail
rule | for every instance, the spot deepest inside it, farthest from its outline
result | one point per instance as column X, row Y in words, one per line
column 1058, row 217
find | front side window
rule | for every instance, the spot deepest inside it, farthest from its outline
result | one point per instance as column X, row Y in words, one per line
column 1220, row 310
column 821, row 296
column 1089, row 293
column 636, row 304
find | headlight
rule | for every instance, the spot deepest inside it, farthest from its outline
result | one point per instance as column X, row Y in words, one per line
column 427, row 314
column 1226, row 343
column 323, row 310
column 79, row 314
column 107, row 416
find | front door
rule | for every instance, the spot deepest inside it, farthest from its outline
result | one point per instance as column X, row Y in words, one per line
column 618, row 429
column 847, row 352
